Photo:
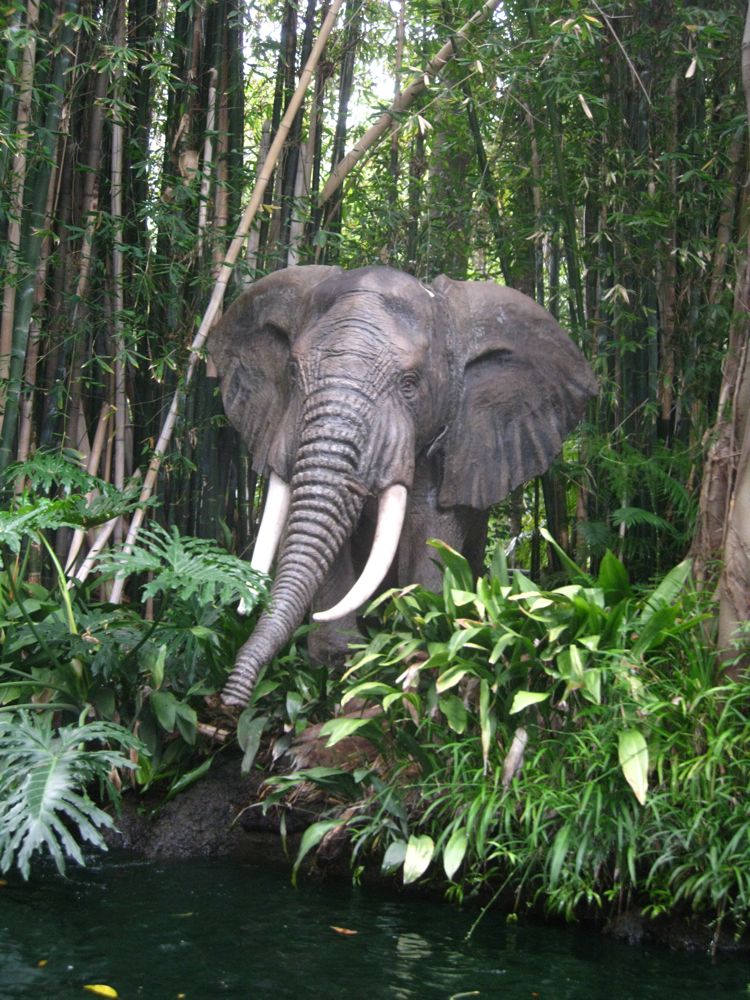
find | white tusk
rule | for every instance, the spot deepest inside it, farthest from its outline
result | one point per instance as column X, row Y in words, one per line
column 270, row 530
column 391, row 511
column 271, row 524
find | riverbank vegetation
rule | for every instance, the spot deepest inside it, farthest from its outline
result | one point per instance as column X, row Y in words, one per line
column 569, row 729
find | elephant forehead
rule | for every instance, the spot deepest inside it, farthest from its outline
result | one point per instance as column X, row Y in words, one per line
column 363, row 338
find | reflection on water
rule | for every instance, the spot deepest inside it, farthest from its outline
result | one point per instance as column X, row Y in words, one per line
column 199, row 930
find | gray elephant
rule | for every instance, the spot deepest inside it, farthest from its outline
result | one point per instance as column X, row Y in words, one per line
column 385, row 412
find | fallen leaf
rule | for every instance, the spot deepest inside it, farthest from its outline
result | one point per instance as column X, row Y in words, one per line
column 101, row 989
column 343, row 930
column 41, row 963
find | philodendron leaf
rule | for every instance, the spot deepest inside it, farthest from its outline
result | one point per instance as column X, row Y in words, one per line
column 419, row 851
column 454, row 851
column 633, row 756
column 522, row 699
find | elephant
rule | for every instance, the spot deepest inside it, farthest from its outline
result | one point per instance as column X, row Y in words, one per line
column 384, row 411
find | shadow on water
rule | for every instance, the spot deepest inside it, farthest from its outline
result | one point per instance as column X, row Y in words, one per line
column 212, row 929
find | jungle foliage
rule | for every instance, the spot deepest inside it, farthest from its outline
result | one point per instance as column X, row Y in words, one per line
column 593, row 155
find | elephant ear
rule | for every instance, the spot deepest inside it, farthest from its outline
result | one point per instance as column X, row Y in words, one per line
column 250, row 347
column 525, row 386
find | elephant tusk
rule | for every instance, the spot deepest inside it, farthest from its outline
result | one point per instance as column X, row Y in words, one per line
column 391, row 512
column 271, row 524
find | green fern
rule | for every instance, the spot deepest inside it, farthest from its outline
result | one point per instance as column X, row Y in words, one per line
column 632, row 516
column 43, row 778
column 187, row 567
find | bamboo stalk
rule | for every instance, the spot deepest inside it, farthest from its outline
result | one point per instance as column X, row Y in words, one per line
column 16, row 195
column 91, row 466
column 34, row 234
column 118, row 298
column 404, row 100
column 217, row 297
column 208, row 155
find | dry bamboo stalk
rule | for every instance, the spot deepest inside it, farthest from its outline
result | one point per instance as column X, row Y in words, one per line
column 16, row 199
column 217, row 297
column 91, row 466
column 104, row 535
column 403, row 101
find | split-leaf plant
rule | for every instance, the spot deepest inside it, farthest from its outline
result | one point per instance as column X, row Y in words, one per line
column 68, row 655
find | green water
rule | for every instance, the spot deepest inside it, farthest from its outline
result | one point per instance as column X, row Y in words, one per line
column 205, row 929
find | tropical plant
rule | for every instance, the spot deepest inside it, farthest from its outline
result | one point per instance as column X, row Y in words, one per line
column 45, row 774
column 560, row 745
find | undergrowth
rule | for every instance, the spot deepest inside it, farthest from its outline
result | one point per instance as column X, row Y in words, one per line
column 570, row 748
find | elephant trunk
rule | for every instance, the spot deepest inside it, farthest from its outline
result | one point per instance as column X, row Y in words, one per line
column 326, row 501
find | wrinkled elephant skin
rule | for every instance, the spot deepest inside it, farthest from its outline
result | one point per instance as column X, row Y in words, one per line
column 383, row 407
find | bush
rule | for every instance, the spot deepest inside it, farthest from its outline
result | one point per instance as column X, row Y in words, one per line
column 571, row 745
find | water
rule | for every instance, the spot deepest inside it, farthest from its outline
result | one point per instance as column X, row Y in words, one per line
column 201, row 930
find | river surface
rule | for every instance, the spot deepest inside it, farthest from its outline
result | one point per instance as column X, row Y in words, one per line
column 201, row 930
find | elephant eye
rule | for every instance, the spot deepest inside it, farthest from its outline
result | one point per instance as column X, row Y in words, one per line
column 409, row 383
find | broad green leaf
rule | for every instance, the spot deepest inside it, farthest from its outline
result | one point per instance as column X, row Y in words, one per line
column 454, row 711
column 454, row 852
column 501, row 645
column 394, row 856
column 633, row 757
column 665, row 594
column 522, row 699
column 463, row 597
column 164, row 705
column 592, row 685
column 576, row 573
column 310, row 839
column 157, row 668
column 248, row 737
column 419, row 851
column 486, row 722
column 558, row 853
column 613, row 579
column 339, row 729
column 449, row 678
column 188, row 779
column 294, row 702
column 368, row 689
column 187, row 721
column 499, row 566
column 455, row 563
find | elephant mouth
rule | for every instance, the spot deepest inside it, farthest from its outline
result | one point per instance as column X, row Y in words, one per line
column 391, row 514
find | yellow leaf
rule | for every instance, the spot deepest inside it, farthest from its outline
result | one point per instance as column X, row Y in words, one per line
column 41, row 963
column 586, row 108
column 343, row 930
column 101, row 989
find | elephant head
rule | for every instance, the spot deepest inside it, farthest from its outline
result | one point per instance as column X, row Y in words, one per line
column 349, row 385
